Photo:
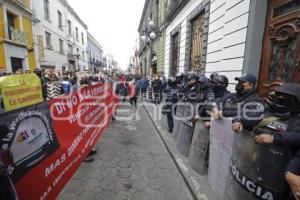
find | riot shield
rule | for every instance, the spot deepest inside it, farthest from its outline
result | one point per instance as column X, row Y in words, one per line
column 256, row 171
column 178, row 119
column 198, row 156
column 186, row 131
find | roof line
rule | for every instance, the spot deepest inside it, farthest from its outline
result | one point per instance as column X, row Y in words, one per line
column 72, row 11
column 143, row 14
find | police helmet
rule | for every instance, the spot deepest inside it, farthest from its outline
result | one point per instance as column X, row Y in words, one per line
column 220, row 80
column 192, row 76
column 213, row 75
column 292, row 89
column 172, row 81
column 179, row 77
column 203, row 82
column 286, row 98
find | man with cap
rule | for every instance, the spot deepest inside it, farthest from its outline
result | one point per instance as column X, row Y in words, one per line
column 245, row 107
column 281, row 126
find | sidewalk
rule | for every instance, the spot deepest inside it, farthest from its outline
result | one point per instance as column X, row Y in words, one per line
column 197, row 183
column 131, row 164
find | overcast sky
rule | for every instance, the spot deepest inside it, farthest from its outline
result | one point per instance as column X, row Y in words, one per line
column 113, row 23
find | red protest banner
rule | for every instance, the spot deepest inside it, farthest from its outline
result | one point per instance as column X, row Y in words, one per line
column 42, row 146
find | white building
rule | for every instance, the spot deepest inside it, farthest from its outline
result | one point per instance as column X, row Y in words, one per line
column 60, row 36
column 95, row 54
column 233, row 37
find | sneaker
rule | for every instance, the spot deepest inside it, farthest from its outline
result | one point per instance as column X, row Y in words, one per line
column 89, row 160
column 92, row 152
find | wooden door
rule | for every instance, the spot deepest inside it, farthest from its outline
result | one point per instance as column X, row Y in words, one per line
column 281, row 46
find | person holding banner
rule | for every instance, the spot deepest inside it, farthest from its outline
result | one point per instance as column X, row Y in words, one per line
column 7, row 189
column 245, row 106
column 281, row 126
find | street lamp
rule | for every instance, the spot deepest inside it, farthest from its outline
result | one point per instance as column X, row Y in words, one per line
column 148, row 37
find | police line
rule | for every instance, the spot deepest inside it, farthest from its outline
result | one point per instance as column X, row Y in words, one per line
column 41, row 149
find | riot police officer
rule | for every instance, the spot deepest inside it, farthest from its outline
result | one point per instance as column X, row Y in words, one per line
column 191, row 97
column 171, row 99
column 281, row 126
column 219, row 95
column 245, row 106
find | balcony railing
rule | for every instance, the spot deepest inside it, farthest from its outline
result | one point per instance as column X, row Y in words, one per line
column 14, row 35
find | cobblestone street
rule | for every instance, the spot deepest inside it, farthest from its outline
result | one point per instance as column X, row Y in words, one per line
column 131, row 163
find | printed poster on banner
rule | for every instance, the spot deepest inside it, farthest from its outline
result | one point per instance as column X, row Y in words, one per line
column 20, row 90
column 43, row 145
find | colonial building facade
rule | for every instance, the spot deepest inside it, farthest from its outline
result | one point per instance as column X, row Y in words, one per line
column 16, row 37
column 95, row 54
column 152, row 34
column 61, row 36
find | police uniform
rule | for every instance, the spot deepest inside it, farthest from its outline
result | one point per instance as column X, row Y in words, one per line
column 282, row 121
column 171, row 100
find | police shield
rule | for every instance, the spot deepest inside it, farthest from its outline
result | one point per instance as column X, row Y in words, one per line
column 198, row 156
column 256, row 171
column 186, row 131
column 178, row 119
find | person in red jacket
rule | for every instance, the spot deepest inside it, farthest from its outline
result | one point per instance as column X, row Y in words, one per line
column 133, row 93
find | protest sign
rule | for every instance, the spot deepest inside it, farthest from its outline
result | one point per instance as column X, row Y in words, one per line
column 20, row 90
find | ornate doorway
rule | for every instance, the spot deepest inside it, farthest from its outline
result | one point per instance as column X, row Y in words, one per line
column 197, row 43
column 281, row 47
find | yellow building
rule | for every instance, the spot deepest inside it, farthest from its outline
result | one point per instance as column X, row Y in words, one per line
column 16, row 38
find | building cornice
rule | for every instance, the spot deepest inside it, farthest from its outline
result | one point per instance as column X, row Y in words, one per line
column 72, row 11
column 143, row 15
column 91, row 37
column 21, row 6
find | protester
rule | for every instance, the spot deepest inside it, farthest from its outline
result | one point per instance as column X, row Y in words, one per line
column 144, row 86
column 133, row 93
column 7, row 189
column 157, row 87
column 281, row 126
column 66, row 84
column 245, row 106
column 122, row 88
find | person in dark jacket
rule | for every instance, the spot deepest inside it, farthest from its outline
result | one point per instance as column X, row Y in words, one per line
column 157, row 87
column 245, row 107
column 171, row 100
column 144, row 84
column 7, row 188
column 282, row 126
column 215, row 98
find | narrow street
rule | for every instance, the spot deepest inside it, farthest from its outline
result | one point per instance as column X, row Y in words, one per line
column 131, row 163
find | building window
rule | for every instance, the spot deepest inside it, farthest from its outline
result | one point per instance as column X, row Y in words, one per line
column 61, row 46
column 82, row 38
column 48, row 40
column 77, row 36
column 175, row 48
column 46, row 10
column 60, row 25
column 11, row 24
column 70, row 49
column 83, row 56
column 70, row 27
